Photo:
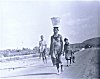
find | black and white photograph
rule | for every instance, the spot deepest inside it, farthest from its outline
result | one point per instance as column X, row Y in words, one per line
column 49, row 39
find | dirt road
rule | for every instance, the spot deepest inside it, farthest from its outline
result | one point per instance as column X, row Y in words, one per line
column 85, row 66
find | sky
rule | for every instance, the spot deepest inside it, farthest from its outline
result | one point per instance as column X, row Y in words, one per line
column 22, row 22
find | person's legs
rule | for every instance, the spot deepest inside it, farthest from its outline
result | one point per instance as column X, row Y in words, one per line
column 67, row 62
column 43, row 57
column 40, row 55
column 53, row 60
column 70, row 60
column 59, row 58
column 43, row 60
column 66, row 57
column 57, row 65
column 60, row 62
column 73, row 59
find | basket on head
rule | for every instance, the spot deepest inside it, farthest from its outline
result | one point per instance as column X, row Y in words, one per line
column 55, row 21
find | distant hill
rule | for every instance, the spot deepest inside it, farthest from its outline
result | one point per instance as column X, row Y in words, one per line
column 93, row 42
column 77, row 45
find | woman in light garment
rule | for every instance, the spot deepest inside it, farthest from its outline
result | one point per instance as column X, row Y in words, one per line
column 42, row 49
column 56, row 47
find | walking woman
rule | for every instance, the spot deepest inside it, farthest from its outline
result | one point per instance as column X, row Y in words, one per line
column 56, row 47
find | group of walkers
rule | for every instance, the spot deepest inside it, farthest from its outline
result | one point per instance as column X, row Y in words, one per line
column 56, row 50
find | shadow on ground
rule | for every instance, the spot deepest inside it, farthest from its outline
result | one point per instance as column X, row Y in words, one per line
column 30, row 75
